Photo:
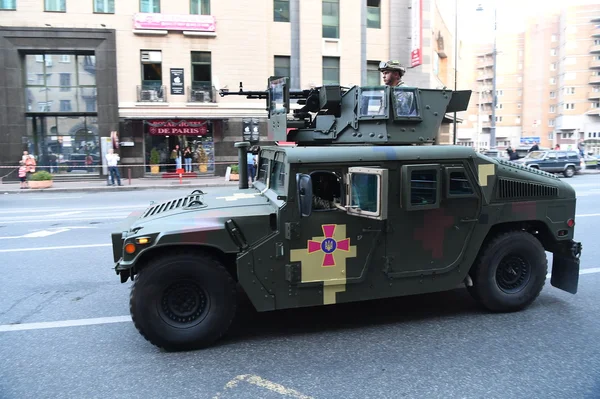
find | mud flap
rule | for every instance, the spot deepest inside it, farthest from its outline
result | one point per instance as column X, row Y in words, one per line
column 565, row 272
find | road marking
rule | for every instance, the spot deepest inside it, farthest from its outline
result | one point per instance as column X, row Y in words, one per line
column 261, row 382
column 63, row 323
column 63, row 214
column 52, row 248
column 123, row 216
column 58, row 209
column 37, row 234
column 124, row 319
column 51, row 198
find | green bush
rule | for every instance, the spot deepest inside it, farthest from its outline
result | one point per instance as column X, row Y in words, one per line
column 41, row 175
column 154, row 157
column 235, row 169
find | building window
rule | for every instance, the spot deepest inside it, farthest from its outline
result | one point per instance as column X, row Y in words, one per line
column 281, row 10
column 331, row 70
column 374, row 14
column 8, row 4
column 76, row 79
column 520, row 92
column 552, row 81
column 151, row 69
column 596, row 42
column 152, row 6
column 519, row 105
column 552, row 94
column 596, row 105
column 373, row 74
column 200, row 7
column 569, row 90
column 65, row 106
column 55, row 5
column 569, row 106
column 104, row 6
column 551, row 122
column 331, row 19
column 553, row 38
column 282, row 65
column 553, row 66
column 518, row 120
column 552, row 109
column 201, row 70
column 65, row 82
column 553, row 52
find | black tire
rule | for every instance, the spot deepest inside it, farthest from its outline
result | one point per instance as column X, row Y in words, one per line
column 569, row 172
column 183, row 301
column 510, row 272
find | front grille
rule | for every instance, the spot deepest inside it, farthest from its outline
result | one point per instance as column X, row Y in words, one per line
column 512, row 189
column 192, row 200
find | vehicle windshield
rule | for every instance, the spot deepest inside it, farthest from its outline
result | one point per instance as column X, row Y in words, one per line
column 536, row 155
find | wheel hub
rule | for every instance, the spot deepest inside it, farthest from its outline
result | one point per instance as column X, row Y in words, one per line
column 512, row 273
column 183, row 302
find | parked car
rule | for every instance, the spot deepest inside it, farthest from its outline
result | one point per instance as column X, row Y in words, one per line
column 591, row 161
column 553, row 161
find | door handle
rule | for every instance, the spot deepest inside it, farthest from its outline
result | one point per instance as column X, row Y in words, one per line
column 467, row 220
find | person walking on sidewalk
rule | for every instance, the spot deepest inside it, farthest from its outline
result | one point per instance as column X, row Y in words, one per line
column 111, row 161
column 23, row 174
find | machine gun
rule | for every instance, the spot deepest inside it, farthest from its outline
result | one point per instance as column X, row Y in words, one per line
column 376, row 115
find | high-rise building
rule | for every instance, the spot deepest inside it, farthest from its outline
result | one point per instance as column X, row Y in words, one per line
column 548, row 84
column 72, row 72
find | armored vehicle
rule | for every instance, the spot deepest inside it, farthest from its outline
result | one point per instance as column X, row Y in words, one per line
column 358, row 204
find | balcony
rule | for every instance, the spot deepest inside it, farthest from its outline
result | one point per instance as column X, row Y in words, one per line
column 594, row 95
column 596, row 31
column 595, row 80
column 151, row 94
column 595, row 64
column 202, row 94
column 485, row 100
column 595, row 49
column 485, row 76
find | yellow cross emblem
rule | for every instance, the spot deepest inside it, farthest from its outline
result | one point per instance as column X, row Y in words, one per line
column 324, row 259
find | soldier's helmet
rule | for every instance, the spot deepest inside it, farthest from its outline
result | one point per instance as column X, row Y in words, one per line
column 392, row 65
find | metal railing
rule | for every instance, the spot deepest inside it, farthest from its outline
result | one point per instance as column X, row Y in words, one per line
column 202, row 94
column 151, row 93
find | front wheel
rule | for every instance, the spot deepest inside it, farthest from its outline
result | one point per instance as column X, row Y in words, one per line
column 183, row 301
column 569, row 172
column 510, row 272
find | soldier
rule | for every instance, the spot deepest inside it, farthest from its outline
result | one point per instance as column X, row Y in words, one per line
column 392, row 73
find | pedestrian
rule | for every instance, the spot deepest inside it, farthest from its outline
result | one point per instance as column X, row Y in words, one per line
column 176, row 156
column 187, row 156
column 23, row 174
column 251, row 161
column 111, row 161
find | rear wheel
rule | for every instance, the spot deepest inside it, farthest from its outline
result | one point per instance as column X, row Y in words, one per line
column 183, row 301
column 510, row 272
column 569, row 172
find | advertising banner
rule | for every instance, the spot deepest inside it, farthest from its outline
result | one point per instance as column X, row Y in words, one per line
column 177, row 81
column 530, row 140
column 177, row 127
column 203, row 23
column 416, row 48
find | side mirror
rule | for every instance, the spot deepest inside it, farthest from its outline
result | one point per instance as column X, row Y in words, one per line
column 304, row 194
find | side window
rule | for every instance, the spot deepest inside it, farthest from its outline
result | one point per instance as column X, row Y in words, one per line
column 373, row 102
column 562, row 155
column 327, row 190
column 367, row 194
column 458, row 183
column 406, row 104
column 421, row 186
column 551, row 156
column 263, row 170
column 278, row 178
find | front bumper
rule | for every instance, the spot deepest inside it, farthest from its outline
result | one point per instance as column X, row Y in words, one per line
column 565, row 267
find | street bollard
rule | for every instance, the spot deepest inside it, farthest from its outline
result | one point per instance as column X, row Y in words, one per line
column 242, row 163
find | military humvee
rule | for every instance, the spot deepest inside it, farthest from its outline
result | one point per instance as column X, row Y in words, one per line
column 362, row 205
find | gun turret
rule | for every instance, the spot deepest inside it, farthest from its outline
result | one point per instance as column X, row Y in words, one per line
column 378, row 115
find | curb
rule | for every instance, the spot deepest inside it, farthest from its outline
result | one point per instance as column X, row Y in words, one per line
column 116, row 188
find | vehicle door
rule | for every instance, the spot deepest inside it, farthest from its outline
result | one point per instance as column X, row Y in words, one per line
column 561, row 162
column 438, row 207
column 337, row 248
column 550, row 163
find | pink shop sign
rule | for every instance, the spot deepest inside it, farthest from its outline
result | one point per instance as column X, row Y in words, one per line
column 204, row 23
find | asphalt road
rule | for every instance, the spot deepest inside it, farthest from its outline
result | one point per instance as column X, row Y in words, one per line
column 432, row 346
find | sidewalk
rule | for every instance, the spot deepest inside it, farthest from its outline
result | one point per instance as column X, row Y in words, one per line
column 136, row 184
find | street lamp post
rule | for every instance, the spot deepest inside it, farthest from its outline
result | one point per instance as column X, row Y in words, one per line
column 455, row 57
column 494, row 96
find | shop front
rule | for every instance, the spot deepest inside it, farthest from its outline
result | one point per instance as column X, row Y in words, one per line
column 170, row 143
